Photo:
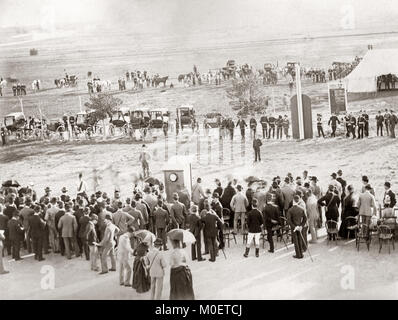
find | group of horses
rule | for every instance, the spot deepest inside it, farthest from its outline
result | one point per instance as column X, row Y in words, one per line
column 67, row 81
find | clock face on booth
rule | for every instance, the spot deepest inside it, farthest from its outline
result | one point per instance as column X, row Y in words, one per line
column 173, row 177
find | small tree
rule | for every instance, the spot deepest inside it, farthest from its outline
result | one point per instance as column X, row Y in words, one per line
column 104, row 105
column 247, row 95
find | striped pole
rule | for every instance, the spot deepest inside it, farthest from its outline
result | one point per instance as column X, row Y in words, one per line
column 299, row 102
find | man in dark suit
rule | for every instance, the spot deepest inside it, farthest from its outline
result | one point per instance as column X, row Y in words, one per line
column 333, row 121
column 389, row 199
column 256, row 146
column 271, row 219
column 78, row 213
column 195, row 226
column 15, row 234
column 297, row 220
column 212, row 223
column 178, row 212
column 83, row 222
column 37, row 226
column 58, row 216
column 161, row 217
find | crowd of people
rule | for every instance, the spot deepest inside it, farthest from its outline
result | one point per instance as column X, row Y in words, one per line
column 98, row 227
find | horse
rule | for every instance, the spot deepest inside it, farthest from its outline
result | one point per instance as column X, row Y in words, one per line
column 158, row 81
column 60, row 82
column 181, row 77
column 36, row 85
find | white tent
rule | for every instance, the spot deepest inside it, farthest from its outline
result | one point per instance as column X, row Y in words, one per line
column 374, row 64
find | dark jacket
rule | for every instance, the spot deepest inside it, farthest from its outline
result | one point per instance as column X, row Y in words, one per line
column 212, row 224
column 271, row 212
column 296, row 217
column 194, row 224
column 393, row 200
column 226, row 197
column 36, row 225
column 332, row 202
column 15, row 230
column 257, row 143
column 83, row 221
column 254, row 221
column 161, row 217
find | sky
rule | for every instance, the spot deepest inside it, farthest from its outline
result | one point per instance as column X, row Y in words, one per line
column 177, row 17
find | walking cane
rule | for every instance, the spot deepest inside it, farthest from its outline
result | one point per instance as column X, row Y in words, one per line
column 302, row 238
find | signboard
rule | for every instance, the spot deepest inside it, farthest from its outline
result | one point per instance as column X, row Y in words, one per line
column 337, row 99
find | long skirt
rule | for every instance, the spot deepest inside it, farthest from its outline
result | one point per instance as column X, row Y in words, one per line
column 181, row 284
column 141, row 281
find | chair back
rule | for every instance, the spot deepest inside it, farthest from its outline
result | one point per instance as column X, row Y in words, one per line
column 385, row 230
column 363, row 229
column 225, row 228
column 226, row 213
column 351, row 222
column 331, row 226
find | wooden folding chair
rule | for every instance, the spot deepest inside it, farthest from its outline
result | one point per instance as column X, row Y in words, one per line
column 227, row 234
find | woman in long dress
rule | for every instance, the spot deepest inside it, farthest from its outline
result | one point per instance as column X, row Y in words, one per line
column 180, row 274
column 349, row 210
column 141, row 278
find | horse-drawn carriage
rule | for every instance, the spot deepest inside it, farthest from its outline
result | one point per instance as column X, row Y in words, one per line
column 139, row 118
column 159, row 118
column 85, row 121
column 185, row 117
column 55, row 125
column 68, row 81
column 291, row 68
column 15, row 121
column 213, row 119
column 230, row 69
column 120, row 119
column 270, row 76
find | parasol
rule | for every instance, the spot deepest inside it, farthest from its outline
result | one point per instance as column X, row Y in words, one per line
column 181, row 235
column 152, row 181
column 11, row 183
column 145, row 236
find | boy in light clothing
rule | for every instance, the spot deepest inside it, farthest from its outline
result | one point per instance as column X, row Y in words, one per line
column 157, row 267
